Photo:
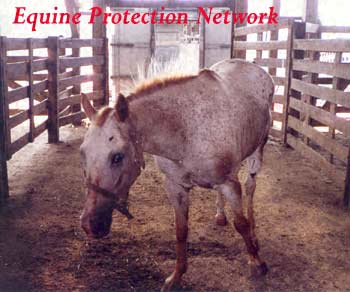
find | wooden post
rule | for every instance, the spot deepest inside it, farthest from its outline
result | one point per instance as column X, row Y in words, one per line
column 241, row 6
column 106, row 72
column 259, row 53
column 30, row 91
column 310, row 13
column 347, row 183
column 152, row 39
column 3, row 53
column 274, row 37
column 202, row 44
column 232, row 52
column 53, row 71
column 288, row 78
column 99, row 32
column 311, row 78
column 72, row 8
column 4, row 189
column 297, row 31
column 333, row 106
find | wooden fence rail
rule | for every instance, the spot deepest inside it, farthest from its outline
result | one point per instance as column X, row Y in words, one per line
column 277, row 60
column 48, row 86
column 317, row 130
column 313, row 89
column 306, row 108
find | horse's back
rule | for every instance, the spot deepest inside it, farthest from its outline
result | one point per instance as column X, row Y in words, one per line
column 231, row 112
column 245, row 77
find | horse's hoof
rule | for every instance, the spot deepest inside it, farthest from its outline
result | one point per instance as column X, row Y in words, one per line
column 259, row 270
column 220, row 220
column 171, row 282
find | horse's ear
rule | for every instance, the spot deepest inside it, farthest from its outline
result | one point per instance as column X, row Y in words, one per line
column 88, row 108
column 121, row 108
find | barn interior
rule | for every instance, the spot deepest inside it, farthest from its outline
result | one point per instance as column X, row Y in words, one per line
column 302, row 196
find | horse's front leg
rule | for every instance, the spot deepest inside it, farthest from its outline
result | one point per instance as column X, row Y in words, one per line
column 178, row 197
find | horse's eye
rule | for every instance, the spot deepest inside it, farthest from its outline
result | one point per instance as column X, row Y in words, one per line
column 117, row 158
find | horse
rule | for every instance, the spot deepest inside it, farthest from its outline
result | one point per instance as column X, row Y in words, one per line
column 200, row 128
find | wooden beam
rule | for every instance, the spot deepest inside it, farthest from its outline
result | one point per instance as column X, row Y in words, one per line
column 298, row 33
column 320, row 115
column 333, row 106
column 53, row 68
column 202, row 44
column 334, row 45
column 79, row 43
column 30, row 91
column 327, row 143
column 99, row 32
column 72, row 8
column 169, row 3
column 332, row 95
column 313, row 156
column 75, row 29
column 271, row 45
column 242, row 31
column 310, row 13
column 4, row 189
column 240, row 6
column 274, row 37
column 289, row 59
column 346, row 197
column 336, row 70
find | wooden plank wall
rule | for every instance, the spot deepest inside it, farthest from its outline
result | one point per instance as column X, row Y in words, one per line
column 45, row 84
column 319, row 131
column 271, row 64
column 313, row 93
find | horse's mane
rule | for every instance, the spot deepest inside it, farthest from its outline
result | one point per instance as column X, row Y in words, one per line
column 149, row 86
column 153, row 84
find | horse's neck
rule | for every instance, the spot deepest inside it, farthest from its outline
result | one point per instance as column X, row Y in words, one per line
column 159, row 127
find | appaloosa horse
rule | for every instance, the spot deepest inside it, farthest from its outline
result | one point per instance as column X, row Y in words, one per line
column 199, row 128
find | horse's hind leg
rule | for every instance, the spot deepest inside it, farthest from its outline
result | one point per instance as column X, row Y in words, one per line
column 254, row 165
column 220, row 216
column 231, row 189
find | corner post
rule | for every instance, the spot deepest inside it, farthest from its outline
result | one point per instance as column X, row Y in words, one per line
column 241, row 6
column 99, row 32
column 30, row 91
column 4, row 189
column 106, row 72
column 296, row 32
column 53, row 84
column 347, row 183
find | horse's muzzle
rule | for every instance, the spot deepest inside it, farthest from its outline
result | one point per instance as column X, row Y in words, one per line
column 96, row 227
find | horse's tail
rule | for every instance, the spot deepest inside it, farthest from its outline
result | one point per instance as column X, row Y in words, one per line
column 270, row 89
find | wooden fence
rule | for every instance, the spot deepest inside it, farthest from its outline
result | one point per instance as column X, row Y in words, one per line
column 313, row 109
column 46, row 87
column 319, row 115
column 269, row 50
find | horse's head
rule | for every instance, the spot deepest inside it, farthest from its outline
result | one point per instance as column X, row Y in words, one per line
column 111, row 156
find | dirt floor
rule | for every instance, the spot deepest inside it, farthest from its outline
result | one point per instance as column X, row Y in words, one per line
column 304, row 232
